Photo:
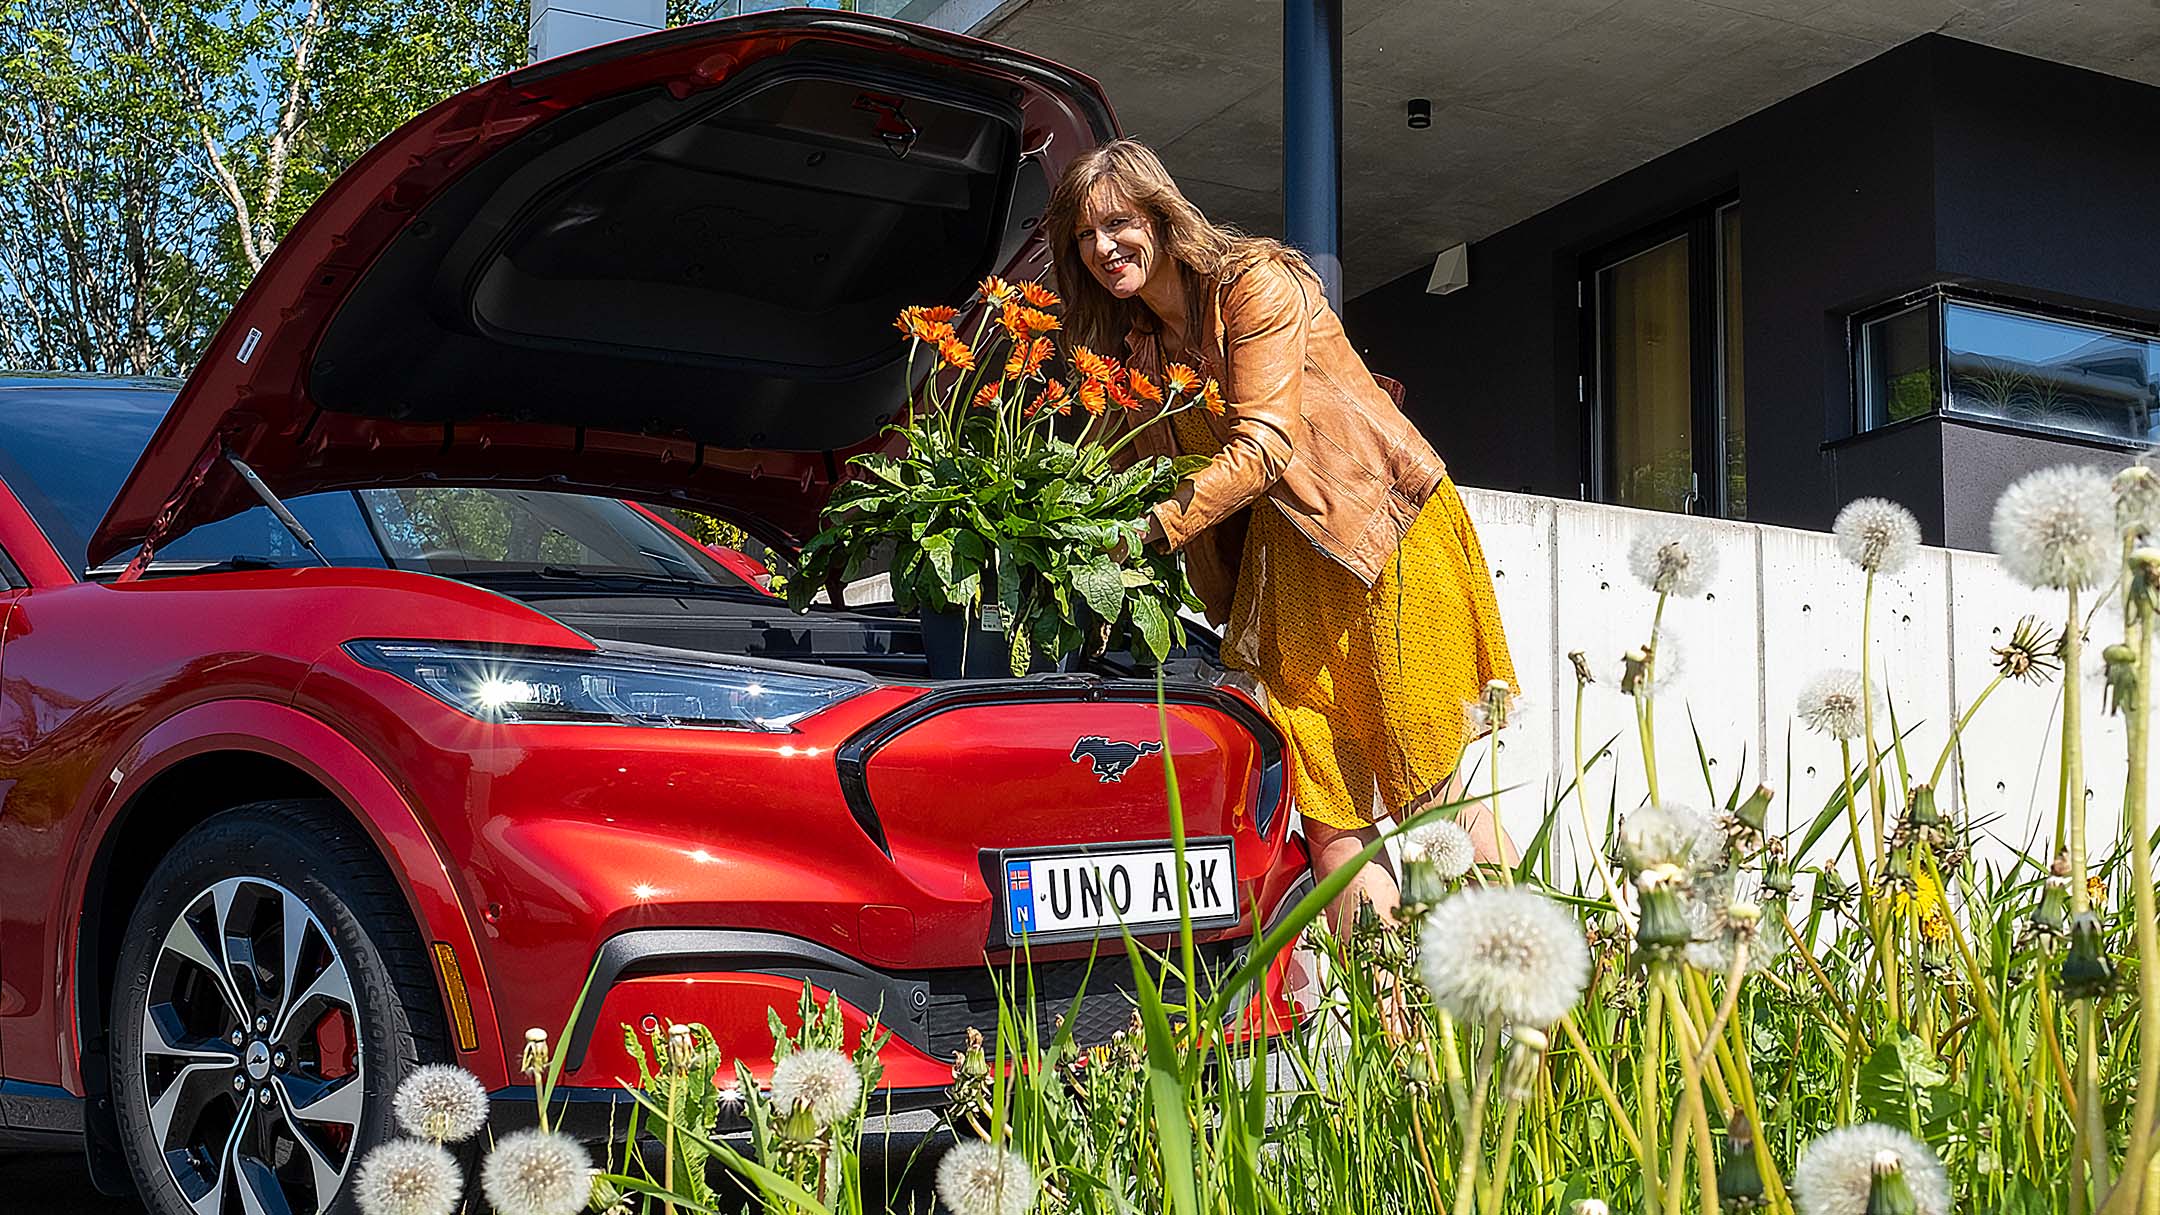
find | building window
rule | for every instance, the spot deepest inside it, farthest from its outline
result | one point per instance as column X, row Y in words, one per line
column 1664, row 376
column 1995, row 362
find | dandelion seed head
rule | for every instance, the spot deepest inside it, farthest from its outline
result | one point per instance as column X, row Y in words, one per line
column 1505, row 951
column 1723, row 911
column 821, row 1080
column 1444, row 845
column 1673, row 558
column 2056, row 528
column 2137, row 496
column 978, row 1178
column 537, row 1172
column 1652, row 671
column 1492, row 710
column 441, row 1101
column 408, row 1177
column 1832, row 703
column 1664, row 834
column 1877, row 535
column 1836, row 1172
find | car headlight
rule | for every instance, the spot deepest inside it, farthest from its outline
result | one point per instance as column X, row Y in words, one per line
column 509, row 685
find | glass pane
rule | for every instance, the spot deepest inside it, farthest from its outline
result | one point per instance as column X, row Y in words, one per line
column 1898, row 366
column 469, row 533
column 1648, row 410
column 2052, row 373
column 1731, row 368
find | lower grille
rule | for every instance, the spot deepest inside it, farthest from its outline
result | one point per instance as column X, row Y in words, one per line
column 962, row 999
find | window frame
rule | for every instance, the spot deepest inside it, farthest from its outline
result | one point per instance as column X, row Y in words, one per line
column 1703, row 224
column 1938, row 296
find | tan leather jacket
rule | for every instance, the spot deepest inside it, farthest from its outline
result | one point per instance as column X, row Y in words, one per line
column 1308, row 431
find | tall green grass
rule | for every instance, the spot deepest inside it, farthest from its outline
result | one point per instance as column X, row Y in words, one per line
column 1990, row 1010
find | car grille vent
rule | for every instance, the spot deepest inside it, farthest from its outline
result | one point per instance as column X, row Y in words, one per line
column 960, row 999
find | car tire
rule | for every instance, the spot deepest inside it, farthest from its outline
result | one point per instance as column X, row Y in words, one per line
column 242, row 1059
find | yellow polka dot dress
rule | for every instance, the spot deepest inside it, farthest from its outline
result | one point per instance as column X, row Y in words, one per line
column 1368, row 685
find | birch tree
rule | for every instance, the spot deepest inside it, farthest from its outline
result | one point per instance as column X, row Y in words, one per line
column 153, row 153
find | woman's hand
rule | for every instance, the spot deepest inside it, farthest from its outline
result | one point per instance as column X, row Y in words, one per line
column 1152, row 537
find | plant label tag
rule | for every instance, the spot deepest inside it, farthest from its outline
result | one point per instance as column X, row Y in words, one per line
column 993, row 618
column 247, row 345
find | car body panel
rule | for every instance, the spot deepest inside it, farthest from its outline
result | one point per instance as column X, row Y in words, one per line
column 698, row 872
column 96, row 676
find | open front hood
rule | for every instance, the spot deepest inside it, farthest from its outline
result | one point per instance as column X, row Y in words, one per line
column 664, row 269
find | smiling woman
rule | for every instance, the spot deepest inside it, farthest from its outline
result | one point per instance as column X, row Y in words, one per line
column 1323, row 530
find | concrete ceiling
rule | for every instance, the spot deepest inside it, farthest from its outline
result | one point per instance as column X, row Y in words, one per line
column 1534, row 101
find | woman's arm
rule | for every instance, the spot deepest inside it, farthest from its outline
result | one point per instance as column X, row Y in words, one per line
column 1268, row 319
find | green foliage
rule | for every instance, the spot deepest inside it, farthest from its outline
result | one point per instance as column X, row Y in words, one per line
column 1922, row 990
column 153, row 152
column 987, row 505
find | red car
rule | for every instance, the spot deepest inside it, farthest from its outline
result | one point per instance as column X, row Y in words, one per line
column 348, row 720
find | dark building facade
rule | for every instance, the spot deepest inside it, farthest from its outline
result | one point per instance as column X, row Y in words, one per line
column 1917, row 279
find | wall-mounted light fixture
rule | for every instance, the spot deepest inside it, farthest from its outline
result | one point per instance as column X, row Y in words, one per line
column 1420, row 115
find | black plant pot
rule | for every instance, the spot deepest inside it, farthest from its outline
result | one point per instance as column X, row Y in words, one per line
column 988, row 654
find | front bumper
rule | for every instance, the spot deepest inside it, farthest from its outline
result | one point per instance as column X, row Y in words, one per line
column 737, row 983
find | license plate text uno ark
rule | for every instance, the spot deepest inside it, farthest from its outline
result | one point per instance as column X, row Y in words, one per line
column 1056, row 893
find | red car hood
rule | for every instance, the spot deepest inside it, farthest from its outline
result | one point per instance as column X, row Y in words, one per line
column 665, row 269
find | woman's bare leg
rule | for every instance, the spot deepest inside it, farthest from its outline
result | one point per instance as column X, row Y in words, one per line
column 1334, row 847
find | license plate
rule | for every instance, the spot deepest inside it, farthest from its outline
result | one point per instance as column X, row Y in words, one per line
column 1062, row 894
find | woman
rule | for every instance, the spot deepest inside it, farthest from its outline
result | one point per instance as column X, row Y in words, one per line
column 1323, row 534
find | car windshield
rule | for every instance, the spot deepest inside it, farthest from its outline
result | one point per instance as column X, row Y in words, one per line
column 66, row 448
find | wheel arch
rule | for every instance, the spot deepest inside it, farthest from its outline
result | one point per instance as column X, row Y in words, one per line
column 213, row 757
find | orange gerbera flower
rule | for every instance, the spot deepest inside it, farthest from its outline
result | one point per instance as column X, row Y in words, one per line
column 1091, row 396
column 1053, row 398
column 1121, row 396
column 1093, row 365
column 996, row 290
column 1181, row 379
column 1211, row 397
column 1039, row 296
column 942, row 314
column 957, row 353
column 986, row 396
column 925, row 325
column 1144, row 388
column 1038, row 321
column 1027, row 361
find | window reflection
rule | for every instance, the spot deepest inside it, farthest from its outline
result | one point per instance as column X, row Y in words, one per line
column 2051, row 373
column 1970, row 359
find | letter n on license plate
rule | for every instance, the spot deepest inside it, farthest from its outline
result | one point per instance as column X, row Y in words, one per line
column 1063, row 894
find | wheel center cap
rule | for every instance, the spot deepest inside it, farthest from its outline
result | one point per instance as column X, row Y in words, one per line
column 257, row 1060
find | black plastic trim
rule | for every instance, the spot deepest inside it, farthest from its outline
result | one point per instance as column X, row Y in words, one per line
column 899, row 1003
column 853, row 756
column 39, row 1109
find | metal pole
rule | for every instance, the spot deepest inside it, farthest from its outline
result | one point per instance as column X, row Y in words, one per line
column 1312, row 136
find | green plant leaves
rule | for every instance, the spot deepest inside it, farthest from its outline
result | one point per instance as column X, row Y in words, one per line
column 971, row 514
column 1904, row 1085
column 1102, row 587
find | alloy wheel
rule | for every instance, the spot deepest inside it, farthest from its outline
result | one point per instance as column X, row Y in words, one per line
column 251, row 1060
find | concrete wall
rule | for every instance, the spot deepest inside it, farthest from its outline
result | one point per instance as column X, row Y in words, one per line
column 1938, row 161
column 1784, row 606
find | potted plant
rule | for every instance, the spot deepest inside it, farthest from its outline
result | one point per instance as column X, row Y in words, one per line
column 1014, row 526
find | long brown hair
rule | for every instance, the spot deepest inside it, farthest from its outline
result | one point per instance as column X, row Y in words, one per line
column 1204, row 252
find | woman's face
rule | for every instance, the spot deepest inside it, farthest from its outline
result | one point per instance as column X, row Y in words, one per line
column 1118, row 243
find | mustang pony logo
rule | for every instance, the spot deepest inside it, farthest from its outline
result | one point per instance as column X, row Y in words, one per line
column 1111, row 760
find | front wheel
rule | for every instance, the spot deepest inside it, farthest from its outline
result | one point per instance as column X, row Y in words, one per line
column 271, row 995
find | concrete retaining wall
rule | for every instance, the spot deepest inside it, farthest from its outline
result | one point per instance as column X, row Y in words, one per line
column 1783, row 606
